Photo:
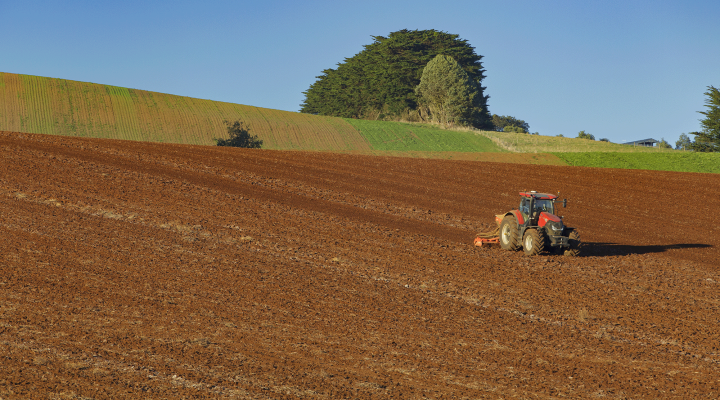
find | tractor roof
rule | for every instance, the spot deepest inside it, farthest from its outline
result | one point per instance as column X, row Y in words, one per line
column 539, row 196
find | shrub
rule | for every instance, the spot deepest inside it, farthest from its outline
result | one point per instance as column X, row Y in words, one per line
column 585, row 135
column 513, row 128
column 501, row 123
column 239, row 136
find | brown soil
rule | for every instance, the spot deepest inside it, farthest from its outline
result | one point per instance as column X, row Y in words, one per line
column 137, row 270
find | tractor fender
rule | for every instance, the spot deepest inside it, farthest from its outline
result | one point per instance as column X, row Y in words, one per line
column 518, row 216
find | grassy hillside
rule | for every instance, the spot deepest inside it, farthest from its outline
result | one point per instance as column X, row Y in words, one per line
column 61, row 107
column 676, row 161
column 397, row 136
column 523, row 143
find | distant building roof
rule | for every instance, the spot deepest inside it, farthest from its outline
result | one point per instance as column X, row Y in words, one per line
column 644, row 142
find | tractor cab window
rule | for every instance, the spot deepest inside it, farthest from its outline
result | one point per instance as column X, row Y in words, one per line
column 544, row 205
column 525, row 206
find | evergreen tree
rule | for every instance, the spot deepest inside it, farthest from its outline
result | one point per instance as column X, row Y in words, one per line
column 708, row 139
column 381, row 79
column 702, row 144
column 445, row 92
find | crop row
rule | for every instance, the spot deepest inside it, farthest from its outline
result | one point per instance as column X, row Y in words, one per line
column 62, row 107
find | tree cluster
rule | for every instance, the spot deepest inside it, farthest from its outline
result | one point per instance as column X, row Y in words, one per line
column 701, row 144
column 380, row 81
column 506, row 123
column 239, row 136
column 707, row 140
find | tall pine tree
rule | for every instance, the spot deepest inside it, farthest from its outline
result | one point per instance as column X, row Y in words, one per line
column 709, row 138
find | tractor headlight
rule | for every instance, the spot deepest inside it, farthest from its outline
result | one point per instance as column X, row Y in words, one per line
column 554, row 228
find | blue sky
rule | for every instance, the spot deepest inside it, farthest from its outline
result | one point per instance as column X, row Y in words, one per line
column 623, row 70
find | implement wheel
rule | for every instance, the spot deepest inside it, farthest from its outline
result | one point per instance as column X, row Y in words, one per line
column 533, row 242
column 509, row 234
column 575, row 244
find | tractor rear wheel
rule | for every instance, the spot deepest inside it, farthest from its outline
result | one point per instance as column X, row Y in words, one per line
column 533, row 242
column 575, row 244
column 509, row 233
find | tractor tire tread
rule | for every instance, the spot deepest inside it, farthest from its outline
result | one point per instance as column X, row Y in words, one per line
column 575, row 244
column 509, row 233
column 533, row 242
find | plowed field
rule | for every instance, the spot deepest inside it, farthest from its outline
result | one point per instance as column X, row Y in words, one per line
column 137, row 270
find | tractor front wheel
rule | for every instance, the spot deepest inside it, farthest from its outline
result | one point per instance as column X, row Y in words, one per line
column 533, row 242
column 509, row 233
column 575, row 244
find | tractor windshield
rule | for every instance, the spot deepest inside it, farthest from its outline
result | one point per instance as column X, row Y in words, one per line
column 544, row 205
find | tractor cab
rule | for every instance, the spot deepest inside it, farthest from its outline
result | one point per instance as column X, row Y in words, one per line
column 532, row 204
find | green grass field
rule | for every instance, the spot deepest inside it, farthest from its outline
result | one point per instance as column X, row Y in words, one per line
column 399, row 136
column 524, row 143
column 679, row 161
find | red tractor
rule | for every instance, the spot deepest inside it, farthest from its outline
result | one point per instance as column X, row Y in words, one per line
column 534, row 227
